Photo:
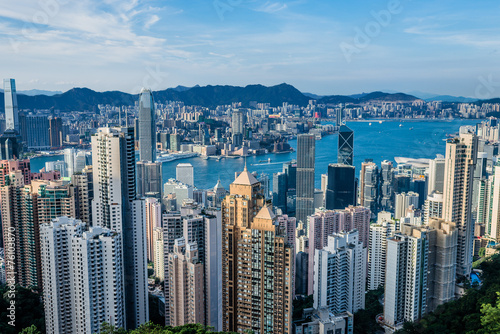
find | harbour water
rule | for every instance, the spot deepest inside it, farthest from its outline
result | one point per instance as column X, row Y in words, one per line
column 372, row 140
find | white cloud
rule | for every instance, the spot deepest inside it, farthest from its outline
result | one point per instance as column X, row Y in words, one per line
column 271, row 7
column 152, row 20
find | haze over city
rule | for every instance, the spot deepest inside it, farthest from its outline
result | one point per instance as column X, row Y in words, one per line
column 321, row 47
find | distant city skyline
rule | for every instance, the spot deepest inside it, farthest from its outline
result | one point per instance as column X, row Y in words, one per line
column 323, row 48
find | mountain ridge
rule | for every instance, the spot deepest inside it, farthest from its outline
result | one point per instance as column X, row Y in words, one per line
column 83, row 99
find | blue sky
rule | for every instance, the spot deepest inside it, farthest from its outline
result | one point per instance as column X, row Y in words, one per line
column 323, row 47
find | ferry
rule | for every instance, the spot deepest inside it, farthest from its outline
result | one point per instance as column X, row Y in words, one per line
column 175, row 156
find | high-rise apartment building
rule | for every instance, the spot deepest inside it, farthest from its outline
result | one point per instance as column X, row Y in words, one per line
column 403, row 202
column 386, row 186
column 369, row 186
column 257, row 263
column 457, row 194
column 84, row 184
column 306, row 144
column 147, row 126
column 187, row 295
column 82, row 277
column 420, row 271
column 377, row 251
column 436, row 175
column 153, row 221
column 115, row 206
column 35, row 131
column 433, row 207
column 24, row 208
column 340, row 274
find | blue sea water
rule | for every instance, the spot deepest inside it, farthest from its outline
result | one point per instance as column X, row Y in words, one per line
column 378, row 141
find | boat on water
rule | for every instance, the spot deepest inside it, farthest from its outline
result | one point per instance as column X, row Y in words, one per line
column 379, row 122
column 175, row 156
column 400, row 125
column 370, row 124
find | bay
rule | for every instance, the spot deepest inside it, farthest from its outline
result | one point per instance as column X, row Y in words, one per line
column 372, row 140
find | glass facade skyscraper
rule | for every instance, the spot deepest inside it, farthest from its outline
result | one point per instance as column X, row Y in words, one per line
column 147, row 126
column 341, row 188
column 346, row 145
column 306, row 145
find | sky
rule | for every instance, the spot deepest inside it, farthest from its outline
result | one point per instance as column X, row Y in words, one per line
column 324, row 47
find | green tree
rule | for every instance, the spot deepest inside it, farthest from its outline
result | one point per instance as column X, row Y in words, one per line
column 30, row 330
column 491, row 316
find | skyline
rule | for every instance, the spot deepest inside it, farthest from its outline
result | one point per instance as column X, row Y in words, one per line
column 441, row 48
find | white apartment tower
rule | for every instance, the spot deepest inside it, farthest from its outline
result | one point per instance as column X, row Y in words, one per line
column 115, row 206
column 82, row 277
column 340, row 274
column 377, row 252
column 457, row 194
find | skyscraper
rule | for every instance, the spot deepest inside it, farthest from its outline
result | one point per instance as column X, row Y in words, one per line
column 345, row 146
column 257, row 263
column 55, row 132
column 386, row 186
column 457, row 194
column 370, row 186
column 436, row 175
column 11, row 111
column 279, row 191
column 115, row 206
column 377, row 250
column 82, row 277
column 341, row 186
column 403, row 202
column 420, row 272
column 147, row 126
column 11, row 145
column 306, row 144
column 340, row 274
column 149, row 179
column 184, row 173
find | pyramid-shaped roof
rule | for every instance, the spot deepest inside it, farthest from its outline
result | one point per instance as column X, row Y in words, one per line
column 265, row 213
column 246, row 178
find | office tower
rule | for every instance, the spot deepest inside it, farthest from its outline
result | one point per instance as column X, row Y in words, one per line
column 403, row 202
column 341, row 186
column 69, row 159
column 377, row 252
column 256, row 255
column 457, row 194
column 290, row 170
column 345, row 146
column 11, row 145
column 370, row 186
column 265, row 186
column 147, row 126
column 24, row 208
column 185, row 173
column 153, row 221
column 80, row 161
column 55, row 132
column 115, row 206
column 149, row 179
column 305, row 176
column 279, row 191
column 419, row 186
column 340, row 274
column 186, row 281
column 84, row 187
column 420, row 271
column 58, row 165
column 238, row 121
column 436, row 175
column 35, row 131
column 175, row 142
column 401, row 183
column 301, row 272
column 11, row 111
column 91, row 261
column 386, row 186
column 433, row 207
